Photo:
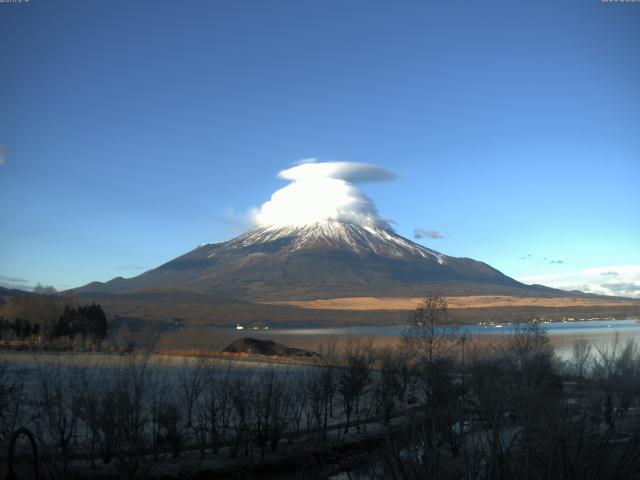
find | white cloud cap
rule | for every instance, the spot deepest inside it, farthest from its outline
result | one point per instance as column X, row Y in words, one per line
column 323, row 191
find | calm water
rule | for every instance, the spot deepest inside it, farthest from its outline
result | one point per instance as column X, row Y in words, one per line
column 569, row 328
column 562, row 335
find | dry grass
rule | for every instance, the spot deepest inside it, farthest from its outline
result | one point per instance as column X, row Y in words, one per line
column 471, row 301
column 235, row 356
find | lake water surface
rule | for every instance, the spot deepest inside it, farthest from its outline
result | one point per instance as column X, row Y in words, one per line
column 562, row 335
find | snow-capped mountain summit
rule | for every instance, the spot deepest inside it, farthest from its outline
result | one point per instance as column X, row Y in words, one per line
column 334, row 234
column 325, row 259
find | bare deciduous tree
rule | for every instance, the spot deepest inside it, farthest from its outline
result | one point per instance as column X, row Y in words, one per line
column 431, row 334
column 352, row 380
column 56, row 404
column 11, row 405
column 581, row 358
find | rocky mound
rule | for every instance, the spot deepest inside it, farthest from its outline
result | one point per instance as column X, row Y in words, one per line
column 266, row 347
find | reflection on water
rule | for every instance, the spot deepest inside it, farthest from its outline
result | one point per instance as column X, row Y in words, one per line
column 561, row 335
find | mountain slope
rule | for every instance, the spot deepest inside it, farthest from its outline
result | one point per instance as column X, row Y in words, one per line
column 322, row 260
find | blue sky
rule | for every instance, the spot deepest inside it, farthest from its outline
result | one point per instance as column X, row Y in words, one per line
column 133, row 131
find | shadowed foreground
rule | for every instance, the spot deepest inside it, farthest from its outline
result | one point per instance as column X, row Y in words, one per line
column 436, row 405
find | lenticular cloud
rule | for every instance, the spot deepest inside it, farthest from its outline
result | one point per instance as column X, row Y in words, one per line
column 323, row 191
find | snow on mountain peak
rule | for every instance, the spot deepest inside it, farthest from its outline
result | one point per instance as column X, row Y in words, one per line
column 336, row 234
column 321, row 208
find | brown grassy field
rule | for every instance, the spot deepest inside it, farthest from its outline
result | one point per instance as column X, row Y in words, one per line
column 462, row 302
column 168, row 309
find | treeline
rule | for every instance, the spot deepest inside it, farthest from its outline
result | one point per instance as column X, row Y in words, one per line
column 19, row 328
column 87, row 322
column 84, row 321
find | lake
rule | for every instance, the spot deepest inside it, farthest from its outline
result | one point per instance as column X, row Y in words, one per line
column 562, row 335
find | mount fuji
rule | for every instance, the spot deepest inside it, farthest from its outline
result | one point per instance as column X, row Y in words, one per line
column 322, row 253
column 321, row 260
column 296, row 275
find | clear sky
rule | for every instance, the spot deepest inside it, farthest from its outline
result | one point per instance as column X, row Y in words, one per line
column 131, row 131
